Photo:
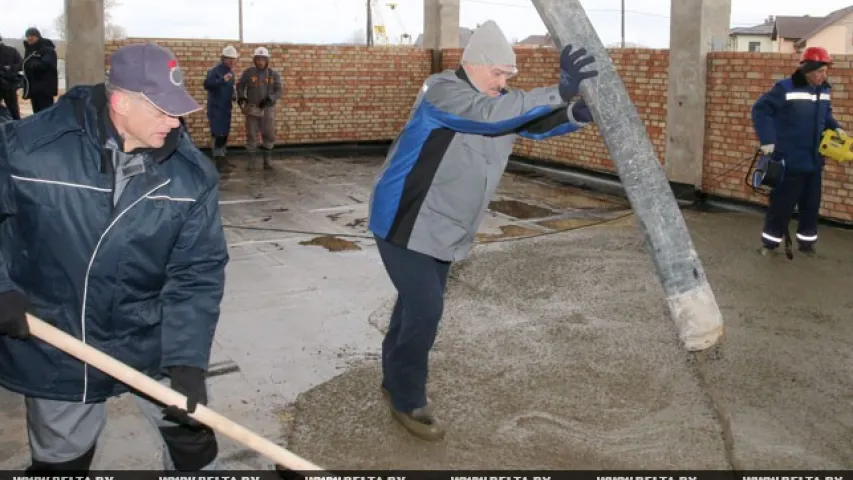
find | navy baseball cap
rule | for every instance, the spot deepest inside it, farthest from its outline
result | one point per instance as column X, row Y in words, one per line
column 152, row 71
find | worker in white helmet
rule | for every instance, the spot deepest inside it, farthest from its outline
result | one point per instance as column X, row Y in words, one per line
column 219, row 84
column 258, row 90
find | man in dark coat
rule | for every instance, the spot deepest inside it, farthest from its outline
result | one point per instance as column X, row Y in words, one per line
column 10, row 71
column 40, row 70
column 219, row 84
column 789, row 121
column 110, row 231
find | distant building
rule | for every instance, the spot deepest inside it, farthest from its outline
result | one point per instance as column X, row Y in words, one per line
column 834, row 33
column 537, row 41
column 758, row 38
column 788, row 34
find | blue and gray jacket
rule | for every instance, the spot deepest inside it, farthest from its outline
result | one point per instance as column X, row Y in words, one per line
column 443, row 169
column 793, row 116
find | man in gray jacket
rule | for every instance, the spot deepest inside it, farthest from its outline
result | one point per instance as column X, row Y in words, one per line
column 258, row 90
column 432, row 192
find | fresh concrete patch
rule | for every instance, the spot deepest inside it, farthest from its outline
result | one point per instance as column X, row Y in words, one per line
column 556, row 352
column 332, row 243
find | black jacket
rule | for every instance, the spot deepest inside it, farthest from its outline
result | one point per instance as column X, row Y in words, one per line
column 40, row 70
column 9, row 77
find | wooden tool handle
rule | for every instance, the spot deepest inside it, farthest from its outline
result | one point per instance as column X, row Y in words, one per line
column 164, row 394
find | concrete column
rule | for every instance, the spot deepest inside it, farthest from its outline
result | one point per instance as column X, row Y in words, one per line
column 441, row 24
column 696, row 28
column 84, row 48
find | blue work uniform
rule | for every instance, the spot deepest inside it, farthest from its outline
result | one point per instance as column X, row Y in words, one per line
column 793, row 116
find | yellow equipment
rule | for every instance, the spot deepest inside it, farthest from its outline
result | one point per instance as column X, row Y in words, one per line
column 836, row 147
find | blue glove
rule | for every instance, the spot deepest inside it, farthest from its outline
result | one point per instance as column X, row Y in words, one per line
column 580, row 112
column 570, row 71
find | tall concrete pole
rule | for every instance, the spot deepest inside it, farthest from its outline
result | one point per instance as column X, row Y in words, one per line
column 696, row 28
column 84, row 42
column 240, row 18
column 689, row 296
column 441, row 24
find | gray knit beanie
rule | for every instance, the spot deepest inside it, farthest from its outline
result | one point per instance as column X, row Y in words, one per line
column 488, row 46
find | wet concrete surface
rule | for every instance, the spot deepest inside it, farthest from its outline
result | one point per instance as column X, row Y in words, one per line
column 555, row 350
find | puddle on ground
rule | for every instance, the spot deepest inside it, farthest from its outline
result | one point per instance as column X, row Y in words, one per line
column 520, row 210
column 331, row 243
column 507, row 231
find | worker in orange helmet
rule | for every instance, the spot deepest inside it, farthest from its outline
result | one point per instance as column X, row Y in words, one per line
column 789, row 121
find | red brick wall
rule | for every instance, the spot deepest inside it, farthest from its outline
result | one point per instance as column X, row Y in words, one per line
column 347, row 93
column 735, row 81
column 644, row 73
column 332, row 94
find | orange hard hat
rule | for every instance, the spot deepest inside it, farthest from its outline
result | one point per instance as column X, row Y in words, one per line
column 816, row 54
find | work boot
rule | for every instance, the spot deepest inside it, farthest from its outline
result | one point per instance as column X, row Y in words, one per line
column 767, row 252
column 808, row 251
column 222, row 165
column 420, row 422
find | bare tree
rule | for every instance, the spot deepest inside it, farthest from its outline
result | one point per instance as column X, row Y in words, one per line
column 111, row 30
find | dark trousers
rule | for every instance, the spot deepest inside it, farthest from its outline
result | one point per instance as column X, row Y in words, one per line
column 41, row 101
column 420, row 281
column 220, row 141
column 10, row 99
column 802, row 190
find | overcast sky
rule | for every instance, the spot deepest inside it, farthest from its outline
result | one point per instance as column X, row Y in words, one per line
column 330, row 21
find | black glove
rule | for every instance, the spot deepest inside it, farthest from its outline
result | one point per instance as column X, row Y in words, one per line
column 266, row 102
column 241, row 102
column 188, row 381
column 13, row 318
column 580, row 112
column 570, row 71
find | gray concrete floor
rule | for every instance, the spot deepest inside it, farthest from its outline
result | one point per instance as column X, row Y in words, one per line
column 555, row 351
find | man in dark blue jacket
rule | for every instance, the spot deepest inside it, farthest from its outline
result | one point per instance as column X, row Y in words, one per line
column 110, row 231
column 41, row 72
column 789, row 121
column 219, row 84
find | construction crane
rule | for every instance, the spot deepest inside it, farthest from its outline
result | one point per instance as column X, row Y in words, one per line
column 379, row 29
column 405, row 38
column 380, row 35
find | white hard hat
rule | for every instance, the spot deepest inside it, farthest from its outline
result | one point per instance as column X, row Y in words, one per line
column 262, row 52
column 229, row 52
